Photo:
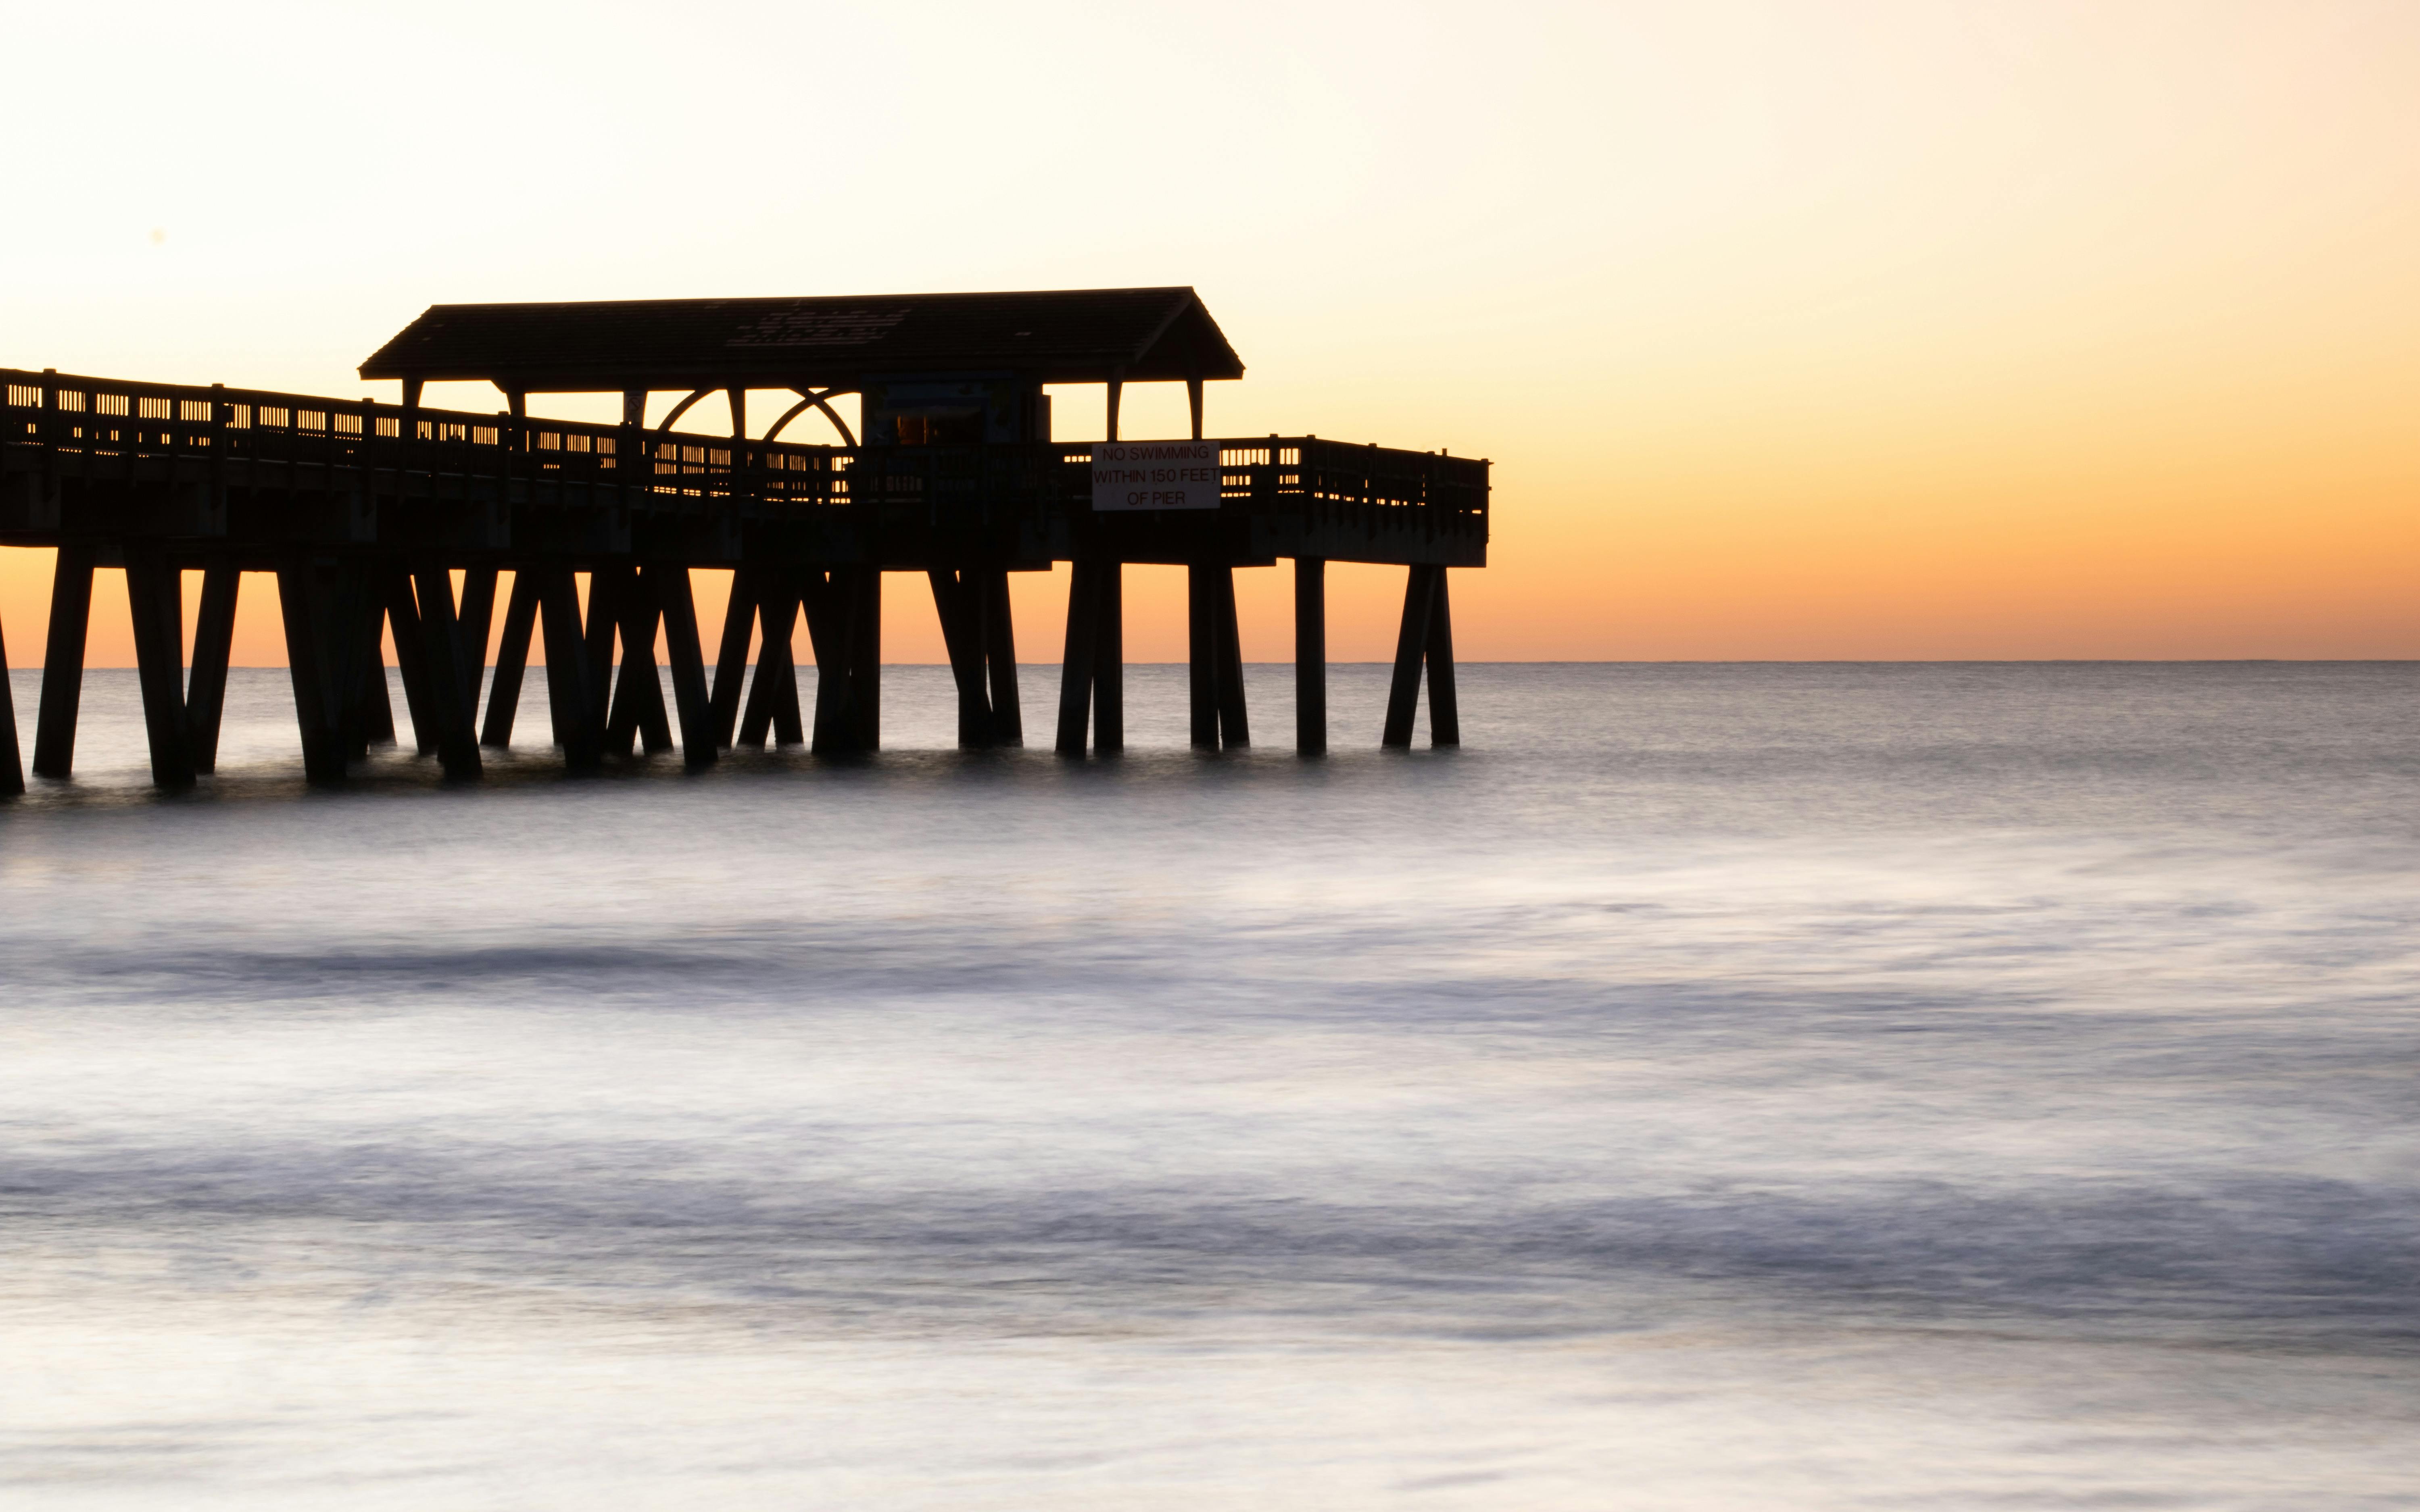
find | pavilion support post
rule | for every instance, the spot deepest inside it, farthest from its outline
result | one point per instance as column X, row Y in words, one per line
column 213, row 647
column 677, row 605
column 1233, row 729
column 1201, row 648
column 731, row 657
column 1078, row 655
column 12, row 769
column 449, row 677
column 512, row 660
column 476, row 617
column 411, row 656
column 1411, row 651
column 1310, row 656
column 1445, row 711
column 1109, row 661
column 576, row 728
column 155, row 596
column 836, row 620
column 63, row 661
column 1000, row 652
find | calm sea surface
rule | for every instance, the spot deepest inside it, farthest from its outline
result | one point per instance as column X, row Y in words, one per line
column 1748, row 1087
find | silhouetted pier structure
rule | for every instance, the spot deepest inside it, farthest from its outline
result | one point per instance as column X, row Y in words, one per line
column 364, row 511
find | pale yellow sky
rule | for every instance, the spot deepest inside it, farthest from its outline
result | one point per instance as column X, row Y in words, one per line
column 1846, row 330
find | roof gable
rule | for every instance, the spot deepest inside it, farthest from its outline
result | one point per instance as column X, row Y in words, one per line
column 1055, row 335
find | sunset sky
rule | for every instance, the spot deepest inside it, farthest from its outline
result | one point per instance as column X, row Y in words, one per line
column 1796, row 330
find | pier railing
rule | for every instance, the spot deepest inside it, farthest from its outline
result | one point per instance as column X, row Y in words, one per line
column 108, row 429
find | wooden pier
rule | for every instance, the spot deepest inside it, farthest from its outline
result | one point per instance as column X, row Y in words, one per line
column 364, row 512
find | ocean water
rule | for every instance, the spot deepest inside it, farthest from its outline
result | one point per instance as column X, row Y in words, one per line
column 1712, row 1086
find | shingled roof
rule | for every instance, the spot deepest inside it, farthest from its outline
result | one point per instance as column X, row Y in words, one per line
column 1055, row 335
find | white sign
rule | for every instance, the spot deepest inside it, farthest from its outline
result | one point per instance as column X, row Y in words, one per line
column 1155, row 475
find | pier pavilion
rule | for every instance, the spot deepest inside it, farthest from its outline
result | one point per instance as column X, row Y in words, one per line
column 364, row 512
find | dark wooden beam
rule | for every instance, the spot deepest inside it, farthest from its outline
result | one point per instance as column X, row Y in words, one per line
column 1445, row 711
column 155, row 596
column 369, row 709
column 323, row 604
column 577, row 728
column 606, row 587
column 1076, row 655
column 731, row 656
column 775, row 687
column 1202, row 652
column 1411, row 647
column 1310, row 656
column 1109, row 661
column 958, row 602
column 477, row 619
column 394, row 588
column 213, row 645
column 55, row 726
column 865, row 654
column 1233, row 729
column 12, row 767
column 677, row 605
column 449, row 677
column 512, row 660
column 637, row 708
column 1000, row 655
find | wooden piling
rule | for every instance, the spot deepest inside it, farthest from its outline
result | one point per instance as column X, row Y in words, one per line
column 1109, row 661
column 1201, row 648
column 864, row 601
column 370, row 713
column 1233, row 729
column 214, row 646
column 957, row 601
column 577, row 726
column 638, row 706
column 321, row 601
column 1310, row 656
column 54, row 725
column 1076, row 655
column 1000, row 652
column 12, row 769
column 731, row 656
column 449, row 677
column 677, row 606
column 1445, row 712
column 512, row 662
column 155, row 599
column 476, row 619
column 394, row 588
column 774, row 689
column 1411, row 648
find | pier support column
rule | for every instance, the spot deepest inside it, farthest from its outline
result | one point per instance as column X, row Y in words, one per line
column 1217, row 668
column 12, row 769
column 972, row 604
column 773, row 694
column 1310, row 656
column 677, row 606
column 845, row 621
column 731, row 656
column 322, row 601
column 476, row 619
column 214, row 646
column 449, row 678
column 63, row 661
column 637, row 708
column 512, row 660
column 411, row 655
column 370, row 716
column 1091, row 669
column 155, row 597
column 1426, row 638
column 577, row 726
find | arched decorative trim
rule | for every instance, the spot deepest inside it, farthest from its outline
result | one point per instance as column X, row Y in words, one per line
column 817, row 400
column 681, row 409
